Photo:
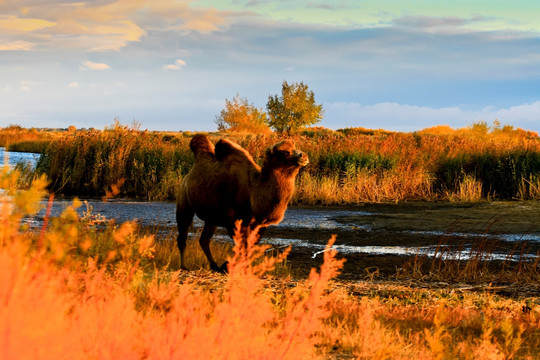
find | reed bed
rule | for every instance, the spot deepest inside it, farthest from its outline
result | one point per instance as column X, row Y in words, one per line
column 16, row 138
column 138, row 164
column 348, row 166
column 84, row 287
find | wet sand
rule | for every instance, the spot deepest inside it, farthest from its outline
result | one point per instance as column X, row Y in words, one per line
column 418, row 228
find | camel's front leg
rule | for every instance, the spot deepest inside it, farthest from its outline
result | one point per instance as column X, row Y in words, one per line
column 184, row 218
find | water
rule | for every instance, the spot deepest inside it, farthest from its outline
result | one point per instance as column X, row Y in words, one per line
column 308, row 229
column 16, row 157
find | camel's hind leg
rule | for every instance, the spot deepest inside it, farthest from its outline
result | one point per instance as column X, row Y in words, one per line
column 184, row 218
column 204, row 241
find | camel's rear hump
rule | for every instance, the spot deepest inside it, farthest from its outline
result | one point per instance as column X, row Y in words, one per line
column 201, row 144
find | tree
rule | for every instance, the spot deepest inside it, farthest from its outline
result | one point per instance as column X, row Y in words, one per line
column 241, row 116
column 294, row 109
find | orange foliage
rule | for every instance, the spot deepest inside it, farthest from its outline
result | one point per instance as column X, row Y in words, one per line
column 385, row 166
column 60, row 302
column 438, row 130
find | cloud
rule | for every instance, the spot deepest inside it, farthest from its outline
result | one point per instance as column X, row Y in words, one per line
column 105, row 25
column 73, row 84
column 429, row 22
column 206, row 22
column 176, row 66
column 11, row 22
column 324, row 5
column 5, row 88
column 89, row 65
column 526, row 113
column 16, row 46
column 27, row 85
column 394, row 116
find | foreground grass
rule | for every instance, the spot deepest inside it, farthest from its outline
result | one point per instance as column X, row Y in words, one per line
column 88, row 288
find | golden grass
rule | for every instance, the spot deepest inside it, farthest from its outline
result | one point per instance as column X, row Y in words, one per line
column 84, row 291
column 469, row 190
column 362, row 186
column 17, row 138
column 530, row 188
column 346, row 166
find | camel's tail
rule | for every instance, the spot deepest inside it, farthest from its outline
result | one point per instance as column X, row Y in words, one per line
column 201, row 144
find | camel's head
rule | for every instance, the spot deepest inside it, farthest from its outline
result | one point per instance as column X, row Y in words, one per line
column 285, row 155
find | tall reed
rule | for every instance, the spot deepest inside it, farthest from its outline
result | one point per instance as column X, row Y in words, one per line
column 17, row 138
column 347, row 166
column 148, row 165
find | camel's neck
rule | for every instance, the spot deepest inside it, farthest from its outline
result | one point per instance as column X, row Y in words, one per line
column 273, row 192
column 281, row 182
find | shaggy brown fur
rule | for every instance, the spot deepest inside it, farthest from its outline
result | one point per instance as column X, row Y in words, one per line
column 225, row 185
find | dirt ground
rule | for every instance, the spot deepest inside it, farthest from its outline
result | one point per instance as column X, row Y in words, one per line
column 420, row 224
column 500, row 227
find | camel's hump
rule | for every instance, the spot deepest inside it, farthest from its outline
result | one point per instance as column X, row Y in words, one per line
column 227, row 151
column 201, row 144
column 226, row 148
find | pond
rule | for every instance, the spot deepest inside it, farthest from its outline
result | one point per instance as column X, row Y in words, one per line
column 511, row 230
column 16, row 157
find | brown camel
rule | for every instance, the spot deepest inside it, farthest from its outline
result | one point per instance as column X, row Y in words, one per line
column 225, row 185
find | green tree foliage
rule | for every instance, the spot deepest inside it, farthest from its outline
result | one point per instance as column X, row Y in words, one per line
column 241, row 116
column 294, row 109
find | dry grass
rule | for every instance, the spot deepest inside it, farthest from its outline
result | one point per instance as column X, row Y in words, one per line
column 469, row 190
column 346, row 166
column 90, row 289
column 17, row 138
column 473, row 266
column 361, row 186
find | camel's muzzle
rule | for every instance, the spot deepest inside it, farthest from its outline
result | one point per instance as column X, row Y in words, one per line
column 301, row 158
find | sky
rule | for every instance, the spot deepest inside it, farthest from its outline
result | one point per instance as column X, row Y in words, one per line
column 171, row 64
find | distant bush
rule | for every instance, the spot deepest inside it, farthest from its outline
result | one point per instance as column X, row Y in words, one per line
column 294, row 109
column 239, row 116
column 438, row 130
column 363, row 131
column 17, row 138
column 33, row 146
column 347, row 163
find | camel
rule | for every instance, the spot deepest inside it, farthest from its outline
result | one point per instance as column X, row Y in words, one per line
column 226, row 186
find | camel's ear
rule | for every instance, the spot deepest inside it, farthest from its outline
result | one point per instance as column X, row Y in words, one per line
column 283, row 145
column 272, row 150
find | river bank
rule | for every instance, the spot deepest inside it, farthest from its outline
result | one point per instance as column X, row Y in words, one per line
column 376, row 239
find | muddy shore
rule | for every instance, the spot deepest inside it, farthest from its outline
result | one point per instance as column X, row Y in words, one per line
column 503, row 228
column 376, row 239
